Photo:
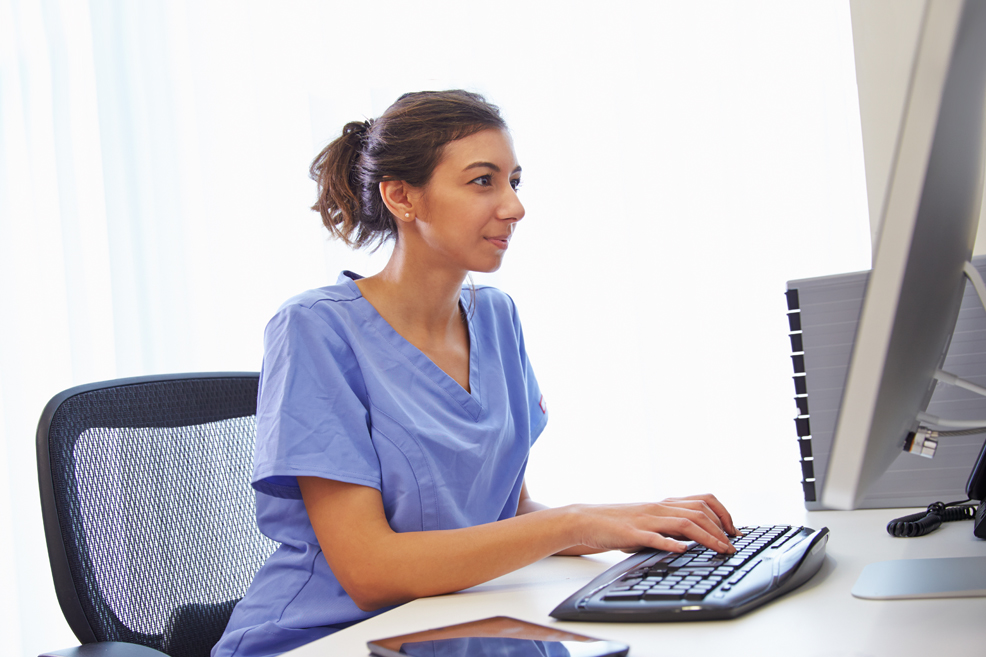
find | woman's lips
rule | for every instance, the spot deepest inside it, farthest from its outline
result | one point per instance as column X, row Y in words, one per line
column 499, row 242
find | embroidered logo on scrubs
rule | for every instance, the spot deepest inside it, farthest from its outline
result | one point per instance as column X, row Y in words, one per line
column 544, row 407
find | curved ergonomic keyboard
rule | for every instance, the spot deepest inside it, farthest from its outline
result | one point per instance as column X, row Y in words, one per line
column 701, row 584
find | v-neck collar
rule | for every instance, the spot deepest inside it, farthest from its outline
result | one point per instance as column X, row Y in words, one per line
column 471, row 402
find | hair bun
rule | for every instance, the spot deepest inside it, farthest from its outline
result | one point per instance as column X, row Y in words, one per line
column 361, row 129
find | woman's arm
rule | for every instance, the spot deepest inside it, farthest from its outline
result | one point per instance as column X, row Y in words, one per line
column 379, row 567
column 528, row 505
column 708, row 504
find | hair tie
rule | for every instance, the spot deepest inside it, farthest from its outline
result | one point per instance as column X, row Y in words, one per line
column 359, row 129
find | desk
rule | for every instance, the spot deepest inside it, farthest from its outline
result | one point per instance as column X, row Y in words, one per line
column 820, row 619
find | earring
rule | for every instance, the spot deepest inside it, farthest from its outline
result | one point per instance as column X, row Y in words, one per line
column 407, row 214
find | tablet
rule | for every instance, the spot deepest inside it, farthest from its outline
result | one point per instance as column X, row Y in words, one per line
column 500, row 636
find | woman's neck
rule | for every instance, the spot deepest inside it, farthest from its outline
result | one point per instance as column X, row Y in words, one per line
column 413, row 298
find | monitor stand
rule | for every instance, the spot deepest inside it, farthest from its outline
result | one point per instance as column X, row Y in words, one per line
column 953, row 577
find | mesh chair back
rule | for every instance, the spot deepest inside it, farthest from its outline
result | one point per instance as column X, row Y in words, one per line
column 148, row 510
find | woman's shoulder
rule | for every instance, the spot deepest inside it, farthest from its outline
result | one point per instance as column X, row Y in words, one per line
column 487, row 296
column 344, row 290
column 331, row 307
column 328, row 296
column 331, row 299
column 493, row 306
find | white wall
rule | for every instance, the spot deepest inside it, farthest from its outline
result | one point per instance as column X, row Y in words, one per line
column 681, row 162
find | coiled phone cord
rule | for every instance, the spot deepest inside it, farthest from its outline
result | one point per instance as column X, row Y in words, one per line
column 919, row 524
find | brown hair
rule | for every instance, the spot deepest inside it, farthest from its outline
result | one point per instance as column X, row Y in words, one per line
column 405, row 143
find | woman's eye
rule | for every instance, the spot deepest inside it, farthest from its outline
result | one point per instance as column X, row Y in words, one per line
column 515, row 183
column 484, row 181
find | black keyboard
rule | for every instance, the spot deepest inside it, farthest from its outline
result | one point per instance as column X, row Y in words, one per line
column 701, row 584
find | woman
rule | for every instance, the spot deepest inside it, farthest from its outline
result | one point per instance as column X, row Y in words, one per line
column 396, row 412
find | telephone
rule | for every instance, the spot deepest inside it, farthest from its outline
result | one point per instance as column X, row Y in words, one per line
column 975, row 488
column 925, row 522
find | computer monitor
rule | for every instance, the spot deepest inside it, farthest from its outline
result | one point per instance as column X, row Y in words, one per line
column 930, row 218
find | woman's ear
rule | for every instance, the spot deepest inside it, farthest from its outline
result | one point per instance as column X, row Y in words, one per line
column 397, row 196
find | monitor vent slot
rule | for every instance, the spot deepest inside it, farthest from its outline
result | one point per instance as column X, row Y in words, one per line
column 802, row 421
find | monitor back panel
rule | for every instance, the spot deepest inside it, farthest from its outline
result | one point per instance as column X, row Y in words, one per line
column 823, row 314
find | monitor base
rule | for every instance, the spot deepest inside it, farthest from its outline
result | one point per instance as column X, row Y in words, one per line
column 954, row 577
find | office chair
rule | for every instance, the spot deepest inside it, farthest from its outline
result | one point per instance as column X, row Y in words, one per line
column 148, row 510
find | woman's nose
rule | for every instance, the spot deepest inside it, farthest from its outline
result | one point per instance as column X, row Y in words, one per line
column 512, row 208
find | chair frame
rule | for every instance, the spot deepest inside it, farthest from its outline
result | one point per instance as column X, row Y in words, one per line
column 68, row 596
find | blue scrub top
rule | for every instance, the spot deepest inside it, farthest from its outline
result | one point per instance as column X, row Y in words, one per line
column 343, row 396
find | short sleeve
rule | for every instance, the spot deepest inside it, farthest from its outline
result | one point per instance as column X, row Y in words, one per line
column 312, row 408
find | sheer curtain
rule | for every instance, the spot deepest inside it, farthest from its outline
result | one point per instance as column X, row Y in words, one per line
column 681, row 162
column 140, row 230
column 57, row 309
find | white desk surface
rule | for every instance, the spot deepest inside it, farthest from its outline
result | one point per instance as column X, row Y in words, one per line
column 819, row 619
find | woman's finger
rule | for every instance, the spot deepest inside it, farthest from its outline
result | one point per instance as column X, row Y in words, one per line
column 695, row 505
column 717, row 507
column 693, row 525
column 658, row 541
column 700, row 514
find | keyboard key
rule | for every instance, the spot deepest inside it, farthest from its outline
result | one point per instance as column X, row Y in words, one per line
column 787, row 538
column 664, row 595
column 626, row 596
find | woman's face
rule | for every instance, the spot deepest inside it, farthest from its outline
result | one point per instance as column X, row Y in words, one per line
column 467, row 211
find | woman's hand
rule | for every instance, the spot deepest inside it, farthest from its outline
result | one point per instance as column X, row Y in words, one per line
column 630, row 527
column 359, row 545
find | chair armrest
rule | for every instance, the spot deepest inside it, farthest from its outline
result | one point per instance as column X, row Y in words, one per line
column 106, row 649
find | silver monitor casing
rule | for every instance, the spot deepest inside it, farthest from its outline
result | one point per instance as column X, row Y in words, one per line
column 930, row 219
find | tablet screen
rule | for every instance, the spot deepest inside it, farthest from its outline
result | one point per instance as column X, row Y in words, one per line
column 496, row 637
